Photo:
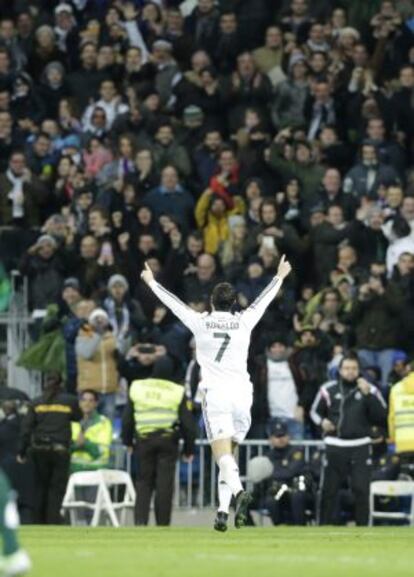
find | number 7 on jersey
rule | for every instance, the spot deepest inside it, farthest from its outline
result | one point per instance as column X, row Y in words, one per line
column 223, row 346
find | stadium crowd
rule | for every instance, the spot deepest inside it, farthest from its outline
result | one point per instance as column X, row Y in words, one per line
column 208, row 139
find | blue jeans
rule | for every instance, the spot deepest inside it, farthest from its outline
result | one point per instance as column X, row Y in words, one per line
column 106, row 405
column 382, row 359
column 295, row 429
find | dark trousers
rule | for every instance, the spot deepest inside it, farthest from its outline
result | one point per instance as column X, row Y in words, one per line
column 343, row 463
column 289, row 509
column 51, row 477
column 157, row 457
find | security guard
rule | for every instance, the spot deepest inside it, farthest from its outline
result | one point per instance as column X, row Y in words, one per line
column 401, row 421
column 280, row 479
column 158, row 413
column 287, row 498
column 46, row 431
column 91, row 437
column 346, row 409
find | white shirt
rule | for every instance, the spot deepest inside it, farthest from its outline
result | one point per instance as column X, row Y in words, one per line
column 222, row 339
column 281, row 389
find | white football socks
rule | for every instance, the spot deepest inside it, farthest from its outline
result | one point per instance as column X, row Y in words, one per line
column 229, row 472
column 224, row 494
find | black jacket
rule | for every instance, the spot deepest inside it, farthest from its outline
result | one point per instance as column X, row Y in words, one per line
column 185, row 426
column 288, row 463
column 352, row 413
column 48, row 422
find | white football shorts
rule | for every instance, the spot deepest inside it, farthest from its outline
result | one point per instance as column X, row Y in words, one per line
column 226, row 417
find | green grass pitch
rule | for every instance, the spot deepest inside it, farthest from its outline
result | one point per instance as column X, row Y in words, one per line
column 200, row 552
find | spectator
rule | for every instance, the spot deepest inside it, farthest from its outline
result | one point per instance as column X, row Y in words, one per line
column 375, row 314
column 21, row 194
column 95, row 351
column 369, row 174
column 276, row 398
column 167, row 152
column 198, row 286
column 169, row 197
column 268, row 58
column 45, row 268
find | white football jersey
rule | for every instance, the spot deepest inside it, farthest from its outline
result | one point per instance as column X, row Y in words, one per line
column 222, row 338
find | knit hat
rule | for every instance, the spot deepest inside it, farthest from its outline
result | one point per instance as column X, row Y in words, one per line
column 118, row 279
column 64, row 8
column 96, row 314
column 71, row 282
column 47, row 238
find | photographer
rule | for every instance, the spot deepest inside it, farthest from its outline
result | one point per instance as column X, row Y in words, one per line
column 345, row 410
column 141, row 361
column 375, row 316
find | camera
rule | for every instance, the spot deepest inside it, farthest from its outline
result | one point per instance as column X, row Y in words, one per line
column 146, row 349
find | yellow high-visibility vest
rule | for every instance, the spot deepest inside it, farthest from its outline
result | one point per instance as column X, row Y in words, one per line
column 401, row 415
column 99, row 433
column 156, row 404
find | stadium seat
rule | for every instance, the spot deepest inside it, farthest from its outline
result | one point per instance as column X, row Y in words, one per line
column 391, row 489
column 103, row 480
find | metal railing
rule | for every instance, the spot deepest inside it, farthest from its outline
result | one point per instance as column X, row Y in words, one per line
column 196, row 482
column 17, row 321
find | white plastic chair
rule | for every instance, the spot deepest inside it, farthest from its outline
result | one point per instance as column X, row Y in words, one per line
column 103, row 480
column 391, row 489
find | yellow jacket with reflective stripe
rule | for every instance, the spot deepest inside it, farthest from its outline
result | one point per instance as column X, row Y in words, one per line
column 98, row 439
column 401, row 415
column 156, row 404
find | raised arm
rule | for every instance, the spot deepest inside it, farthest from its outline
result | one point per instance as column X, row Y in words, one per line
column 186, row 315
column 256, row 310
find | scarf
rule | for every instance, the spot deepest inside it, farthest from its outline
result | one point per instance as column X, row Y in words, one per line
column 15, row 194
column 119, row 317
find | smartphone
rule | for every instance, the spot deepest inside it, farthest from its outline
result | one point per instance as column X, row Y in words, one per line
column 268, row 242
column 106, row 250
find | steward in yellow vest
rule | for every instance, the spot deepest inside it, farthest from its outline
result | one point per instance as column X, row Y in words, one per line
column 401, row 415
column 157, row 416
column 91, row 437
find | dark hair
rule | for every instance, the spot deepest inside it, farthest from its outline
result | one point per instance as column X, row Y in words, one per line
column 52, row 386
column 223, row 297
column 90, row 392
column 350, row 356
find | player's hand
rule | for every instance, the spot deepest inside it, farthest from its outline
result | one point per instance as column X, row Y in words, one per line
column 363, row 386
column 188, row 458
column 284, row 268
column 147, row 274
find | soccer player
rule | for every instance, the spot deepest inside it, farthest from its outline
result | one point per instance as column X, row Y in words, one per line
column 222, row 343
column 15, row 561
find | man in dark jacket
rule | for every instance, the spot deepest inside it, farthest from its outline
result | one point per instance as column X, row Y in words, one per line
column 376, row 315
column 46, row 432
column 45, row 270
column 345, row 410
